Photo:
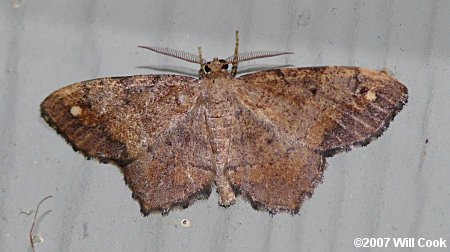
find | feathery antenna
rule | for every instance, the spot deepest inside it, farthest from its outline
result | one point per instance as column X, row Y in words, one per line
column 256, row 55
column 189, row 57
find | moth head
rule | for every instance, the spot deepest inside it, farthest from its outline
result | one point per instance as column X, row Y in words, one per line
column 216, row 65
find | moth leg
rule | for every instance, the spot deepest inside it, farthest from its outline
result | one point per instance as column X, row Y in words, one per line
column 235, row 57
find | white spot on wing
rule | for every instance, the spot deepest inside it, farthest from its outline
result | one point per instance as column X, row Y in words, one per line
column 370, row 96
column 181, row 99
column 76, row 110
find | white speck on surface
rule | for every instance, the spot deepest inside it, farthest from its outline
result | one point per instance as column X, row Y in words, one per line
column 37, row 239
column 185, row 223
column 17, row 4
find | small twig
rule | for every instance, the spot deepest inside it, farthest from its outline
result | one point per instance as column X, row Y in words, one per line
column 34, row 221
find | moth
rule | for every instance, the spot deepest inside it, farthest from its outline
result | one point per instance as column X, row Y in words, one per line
column 263, row 135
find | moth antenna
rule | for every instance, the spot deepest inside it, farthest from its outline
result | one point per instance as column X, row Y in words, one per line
column 189, row 57
column 234, row 59
column 201, row 72
column 255, row 55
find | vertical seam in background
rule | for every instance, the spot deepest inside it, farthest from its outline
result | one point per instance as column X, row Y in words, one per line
column 9, row 105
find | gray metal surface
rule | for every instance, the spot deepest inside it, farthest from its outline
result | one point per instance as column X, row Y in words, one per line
column 395, row 187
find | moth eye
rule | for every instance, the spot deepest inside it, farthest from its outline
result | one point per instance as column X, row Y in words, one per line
column 224, row 66
column 207, row 69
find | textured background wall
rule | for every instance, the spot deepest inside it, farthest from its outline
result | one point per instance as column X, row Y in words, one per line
column 395, row 187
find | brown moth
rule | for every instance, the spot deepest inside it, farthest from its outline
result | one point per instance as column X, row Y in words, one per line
column 264, row 135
